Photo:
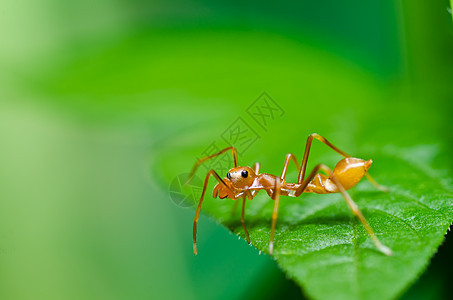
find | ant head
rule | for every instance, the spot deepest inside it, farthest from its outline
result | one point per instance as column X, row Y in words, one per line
column 241, row 177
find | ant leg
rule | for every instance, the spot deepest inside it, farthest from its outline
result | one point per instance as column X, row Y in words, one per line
column 197, row 213
column 342, row 153
column 307, row 180
column 352, row 205
column 375, row 184
column 244, row 198
column 202, row 160
column 276, row 197
column 356, row 211
column 235, row 207
column 285, row 166
column 257, row 168
column 307, row 150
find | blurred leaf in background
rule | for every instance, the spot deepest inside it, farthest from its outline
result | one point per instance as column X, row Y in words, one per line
column 104, row 103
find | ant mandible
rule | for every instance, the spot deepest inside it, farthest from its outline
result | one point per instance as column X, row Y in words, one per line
column 243, row 182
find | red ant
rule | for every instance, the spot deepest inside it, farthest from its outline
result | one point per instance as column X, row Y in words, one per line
column 243, row 182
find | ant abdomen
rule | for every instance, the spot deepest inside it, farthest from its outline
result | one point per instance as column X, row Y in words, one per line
column 348, row 172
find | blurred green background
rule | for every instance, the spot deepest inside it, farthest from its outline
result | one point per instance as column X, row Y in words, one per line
column 103, row 103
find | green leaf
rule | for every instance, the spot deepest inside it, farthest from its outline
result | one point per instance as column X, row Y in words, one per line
column 323, row 247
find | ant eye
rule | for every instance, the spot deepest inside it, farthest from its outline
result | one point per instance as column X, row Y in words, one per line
column 228, row 175
column 245, row 174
